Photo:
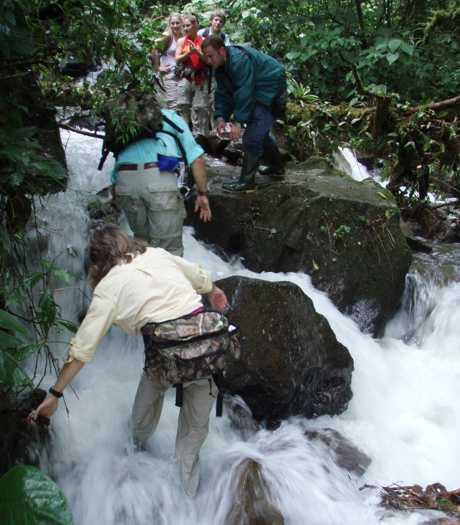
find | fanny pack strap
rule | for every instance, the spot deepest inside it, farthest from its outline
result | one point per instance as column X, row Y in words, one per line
column 219, row 400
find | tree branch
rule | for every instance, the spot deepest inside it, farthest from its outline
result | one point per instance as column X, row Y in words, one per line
column 438, row 106
column 359, row 12
column 445, row 204
column 75, row 130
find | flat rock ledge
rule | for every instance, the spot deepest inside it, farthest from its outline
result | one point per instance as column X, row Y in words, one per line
column 345, row 234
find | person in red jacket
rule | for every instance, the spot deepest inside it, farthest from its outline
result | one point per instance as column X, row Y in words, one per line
column 194, row 87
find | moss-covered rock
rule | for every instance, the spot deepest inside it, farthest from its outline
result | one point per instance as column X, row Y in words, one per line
column 344, row 234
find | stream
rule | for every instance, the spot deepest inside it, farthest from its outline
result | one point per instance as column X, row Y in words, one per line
column 404, row 412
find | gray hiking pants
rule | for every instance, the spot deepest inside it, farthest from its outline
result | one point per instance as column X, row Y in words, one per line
column 153, row 206
column 168, row 97
column 193, row 424
column 194, row 102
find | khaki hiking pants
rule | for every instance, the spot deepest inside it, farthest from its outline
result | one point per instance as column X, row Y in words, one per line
column 168, row 97
column 153, row 206
column 193, row 427
column 195, row 102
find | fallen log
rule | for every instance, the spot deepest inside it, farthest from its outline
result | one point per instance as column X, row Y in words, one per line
column 438, row 106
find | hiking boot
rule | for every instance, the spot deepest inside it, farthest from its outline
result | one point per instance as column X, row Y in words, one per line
column 272, row 155
column 246, row 182
column 274, row 172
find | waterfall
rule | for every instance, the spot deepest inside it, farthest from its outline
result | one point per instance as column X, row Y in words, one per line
column 404, row 413
column 346, row 161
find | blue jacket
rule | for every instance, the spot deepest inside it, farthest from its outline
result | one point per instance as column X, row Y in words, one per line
column 247, row 77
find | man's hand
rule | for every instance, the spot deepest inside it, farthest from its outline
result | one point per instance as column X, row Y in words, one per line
column 217, row 299
column 235, row 131
column 46, row 408
column 202, row 206
column 220, row 126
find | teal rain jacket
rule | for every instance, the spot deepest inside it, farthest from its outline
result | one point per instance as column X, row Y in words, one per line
column 243, row 81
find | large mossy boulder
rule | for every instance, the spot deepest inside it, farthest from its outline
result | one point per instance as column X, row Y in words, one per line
column 344, row 234
column 291, row 362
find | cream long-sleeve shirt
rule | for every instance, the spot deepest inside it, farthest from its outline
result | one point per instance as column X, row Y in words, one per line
column 154, row 287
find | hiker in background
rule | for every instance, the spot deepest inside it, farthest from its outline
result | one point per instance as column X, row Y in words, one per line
column 146, row 183
column 216, row 23
column 194, row 87
column 251, row 86
column 164, row 61
column 135, row 288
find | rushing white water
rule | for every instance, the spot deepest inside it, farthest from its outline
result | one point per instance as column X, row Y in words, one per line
column 404, row 414
column 346, row 161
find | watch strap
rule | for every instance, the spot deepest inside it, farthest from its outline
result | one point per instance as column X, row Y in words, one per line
column 55, row 393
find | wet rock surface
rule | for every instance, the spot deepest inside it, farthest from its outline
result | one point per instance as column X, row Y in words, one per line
column 240, row 416
column 252, row 504
column 344, row 234
column 21, row 442
column 291, row 362
column 346, row 454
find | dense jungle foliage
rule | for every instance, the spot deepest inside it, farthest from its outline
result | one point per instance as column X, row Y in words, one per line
column 382, row 76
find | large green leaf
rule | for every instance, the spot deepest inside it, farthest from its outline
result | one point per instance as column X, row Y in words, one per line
column 11, row 373
column 9, row 322
column 30, row 497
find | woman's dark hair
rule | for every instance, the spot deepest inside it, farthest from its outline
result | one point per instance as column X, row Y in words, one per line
column 109, row 246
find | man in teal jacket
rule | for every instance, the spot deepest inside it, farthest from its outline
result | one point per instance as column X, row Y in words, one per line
column 251, row 86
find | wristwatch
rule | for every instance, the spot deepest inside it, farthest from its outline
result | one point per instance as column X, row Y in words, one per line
column 55, row 393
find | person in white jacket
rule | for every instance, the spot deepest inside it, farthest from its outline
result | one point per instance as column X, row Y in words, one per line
column 136, row 285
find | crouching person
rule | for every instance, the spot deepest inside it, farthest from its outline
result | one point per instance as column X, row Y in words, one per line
column 151, row 292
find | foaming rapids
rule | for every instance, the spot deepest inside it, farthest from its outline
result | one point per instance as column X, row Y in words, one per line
column 404, row 415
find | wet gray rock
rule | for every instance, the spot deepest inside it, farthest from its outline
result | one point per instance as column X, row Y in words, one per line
column 240, row 416
column 346, row 454
column 21, row 442
column 291, row 362
column 252, row 504
column 344, row 234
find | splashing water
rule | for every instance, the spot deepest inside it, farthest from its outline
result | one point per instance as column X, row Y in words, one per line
column 346, row 161
column 404, row 414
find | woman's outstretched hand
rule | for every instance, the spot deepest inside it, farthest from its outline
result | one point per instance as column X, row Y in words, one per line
column 45, row 409
column 218, row 299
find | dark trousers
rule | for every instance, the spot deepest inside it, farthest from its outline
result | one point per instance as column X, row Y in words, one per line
column 257, row 134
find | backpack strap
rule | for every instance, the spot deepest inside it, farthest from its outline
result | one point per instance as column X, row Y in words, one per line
column 189, row 180
column 179, row 144
column 172, row 124
column 219, row 399
column 219, row 404
column 104, row 155
column 179, row 394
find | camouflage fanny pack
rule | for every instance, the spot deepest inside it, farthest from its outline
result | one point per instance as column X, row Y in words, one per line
column 189, row 348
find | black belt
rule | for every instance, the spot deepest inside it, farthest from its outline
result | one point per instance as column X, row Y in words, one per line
column 134, row 167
